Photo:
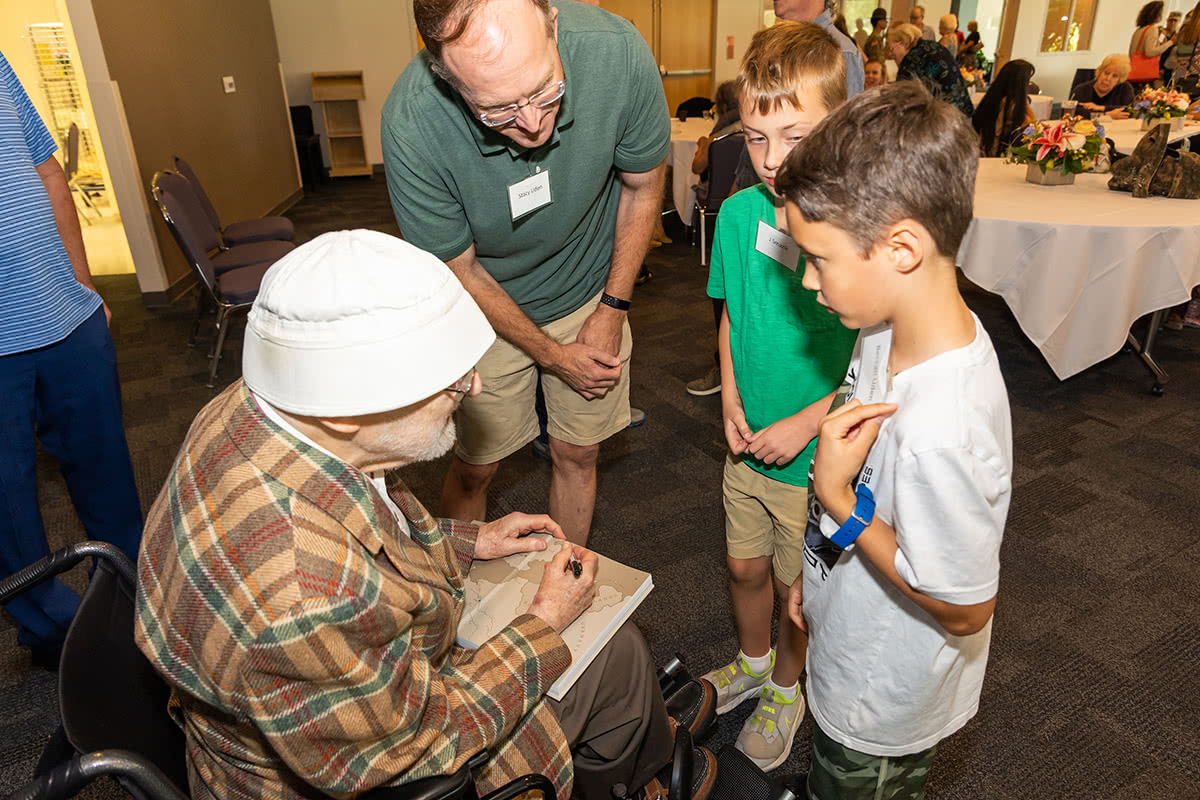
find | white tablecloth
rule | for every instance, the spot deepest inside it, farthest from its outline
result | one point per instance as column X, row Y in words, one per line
column 684, row 136
column 1126, row 133
column 1041, row 103
column 1078, row 264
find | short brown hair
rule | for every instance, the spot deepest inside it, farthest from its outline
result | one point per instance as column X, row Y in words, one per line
column 891, row 153
column 442, row 22
column 786, row 58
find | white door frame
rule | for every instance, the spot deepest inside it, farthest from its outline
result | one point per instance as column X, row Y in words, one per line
column 113, row 130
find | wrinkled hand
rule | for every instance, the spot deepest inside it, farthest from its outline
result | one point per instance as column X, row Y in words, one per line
column 603, row 329
column 796, row 603
column 561, row 597
column 588, row 370
column 781, row 441
column 509, row 535
column 845, row 438
column 737, row 433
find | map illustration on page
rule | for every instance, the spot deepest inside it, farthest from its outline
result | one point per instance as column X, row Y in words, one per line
column 499, row 591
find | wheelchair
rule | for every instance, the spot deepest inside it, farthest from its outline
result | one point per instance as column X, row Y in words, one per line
column 114, row 720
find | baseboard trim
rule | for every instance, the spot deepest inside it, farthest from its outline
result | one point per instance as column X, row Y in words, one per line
column 163, row 299
column 287, row 203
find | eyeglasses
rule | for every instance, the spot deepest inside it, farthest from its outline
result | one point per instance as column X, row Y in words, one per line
column 502, row 116
column 464, row 384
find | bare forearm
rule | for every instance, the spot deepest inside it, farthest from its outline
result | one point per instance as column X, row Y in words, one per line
column 878, row 544
column 729, row 390
column 639, row 204
column 501, row 311
column 66, row 218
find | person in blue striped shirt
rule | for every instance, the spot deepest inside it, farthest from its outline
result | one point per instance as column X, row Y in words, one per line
column 58, row 373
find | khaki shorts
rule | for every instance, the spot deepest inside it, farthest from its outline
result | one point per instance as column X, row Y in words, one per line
column 764, row 517
column 501, row 419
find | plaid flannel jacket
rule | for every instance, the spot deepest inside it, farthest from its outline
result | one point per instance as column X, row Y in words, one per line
column 309, row 642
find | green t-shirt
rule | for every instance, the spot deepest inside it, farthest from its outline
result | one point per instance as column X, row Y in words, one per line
column 448, row 174
column 788, row 351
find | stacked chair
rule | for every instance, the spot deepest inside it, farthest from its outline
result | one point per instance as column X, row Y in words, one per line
column 228, row 274
column 724, row 152
column 263, row 229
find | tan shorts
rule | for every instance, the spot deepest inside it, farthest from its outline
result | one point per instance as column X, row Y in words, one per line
column 501, row 419
column 764, row 517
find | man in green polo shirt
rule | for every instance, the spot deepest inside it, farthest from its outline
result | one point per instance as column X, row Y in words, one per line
column 525, row 147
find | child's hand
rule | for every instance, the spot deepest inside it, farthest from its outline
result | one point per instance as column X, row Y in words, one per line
column 737, row 432
column 796, row 603
column 781, row 441
column 846, row 436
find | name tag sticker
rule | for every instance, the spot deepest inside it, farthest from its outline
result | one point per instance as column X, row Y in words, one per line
column 777, row 246
column 530, row 194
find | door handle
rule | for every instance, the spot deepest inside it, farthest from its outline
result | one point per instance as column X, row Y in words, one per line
column 682, row 73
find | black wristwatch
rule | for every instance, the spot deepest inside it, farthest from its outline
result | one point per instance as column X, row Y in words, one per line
column 616, row 302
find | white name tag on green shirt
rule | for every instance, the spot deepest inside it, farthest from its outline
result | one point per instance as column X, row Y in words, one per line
column 777, row 246
column 530, row 194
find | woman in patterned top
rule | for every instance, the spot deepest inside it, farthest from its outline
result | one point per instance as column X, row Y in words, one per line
column 931, row 64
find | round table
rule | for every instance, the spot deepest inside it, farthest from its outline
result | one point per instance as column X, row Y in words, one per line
column 1041, row 103
column 1079, row 264
column 684, row 136
column 1126, row 133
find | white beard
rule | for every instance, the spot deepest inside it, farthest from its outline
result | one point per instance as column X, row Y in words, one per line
column 415, row 446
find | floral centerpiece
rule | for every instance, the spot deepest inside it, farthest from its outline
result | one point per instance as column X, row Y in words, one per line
column 1056, row 150
column 1153, row 106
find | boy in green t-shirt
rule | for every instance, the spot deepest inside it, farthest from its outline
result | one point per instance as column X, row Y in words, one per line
column 782, row 358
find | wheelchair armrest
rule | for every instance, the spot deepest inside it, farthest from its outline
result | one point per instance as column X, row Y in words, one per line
column 68, row 778
column 438, row 787
column 62, row 560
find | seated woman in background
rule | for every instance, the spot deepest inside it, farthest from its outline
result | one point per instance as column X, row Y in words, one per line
column 1004, row 111
column 948, row 33
column 930, row 63
column 728, row 120
column 968, row 65
column 1109, row 92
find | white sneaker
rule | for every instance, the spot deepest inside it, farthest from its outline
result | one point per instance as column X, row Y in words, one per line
column 736, row 682
column 767, row 736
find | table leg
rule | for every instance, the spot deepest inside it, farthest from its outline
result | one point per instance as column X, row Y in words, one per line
column 1145, row 352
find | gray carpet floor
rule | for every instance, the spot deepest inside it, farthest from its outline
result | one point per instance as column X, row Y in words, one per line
column 1091, row 690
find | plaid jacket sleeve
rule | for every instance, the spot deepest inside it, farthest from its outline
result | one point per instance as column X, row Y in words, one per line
column 462, row 536
column 342, row 689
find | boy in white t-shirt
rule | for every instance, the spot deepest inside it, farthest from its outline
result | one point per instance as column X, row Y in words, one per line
column 912, row 476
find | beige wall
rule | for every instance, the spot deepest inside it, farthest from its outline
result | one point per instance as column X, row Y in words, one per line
column 741, row 20
column 375, row 36
column 168, row 57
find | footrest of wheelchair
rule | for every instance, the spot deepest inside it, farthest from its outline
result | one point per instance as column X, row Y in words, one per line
column 739, row 778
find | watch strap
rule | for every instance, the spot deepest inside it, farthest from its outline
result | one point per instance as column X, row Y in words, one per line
column 859, row 519
column 616, row 302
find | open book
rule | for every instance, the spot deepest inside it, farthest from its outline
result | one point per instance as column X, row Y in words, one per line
column 499, row 591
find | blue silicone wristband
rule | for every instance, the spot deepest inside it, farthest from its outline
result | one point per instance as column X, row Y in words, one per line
column 859, row 519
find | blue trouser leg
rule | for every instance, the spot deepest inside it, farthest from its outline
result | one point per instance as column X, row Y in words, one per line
column 79, row 423
column 45, row 611
column 77, row 418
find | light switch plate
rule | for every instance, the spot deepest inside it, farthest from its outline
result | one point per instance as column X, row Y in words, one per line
column 227, row 81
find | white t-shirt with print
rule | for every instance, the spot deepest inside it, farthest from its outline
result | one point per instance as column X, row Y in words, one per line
column 883, row 677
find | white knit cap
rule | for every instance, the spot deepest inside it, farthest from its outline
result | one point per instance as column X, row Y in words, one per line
column 356, row 322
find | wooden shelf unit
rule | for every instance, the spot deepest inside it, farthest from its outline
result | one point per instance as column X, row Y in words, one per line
column 339, row 93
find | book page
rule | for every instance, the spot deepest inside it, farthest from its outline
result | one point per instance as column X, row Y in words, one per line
column 499, row 591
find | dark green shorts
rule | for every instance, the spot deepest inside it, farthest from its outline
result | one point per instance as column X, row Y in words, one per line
column 839, row 773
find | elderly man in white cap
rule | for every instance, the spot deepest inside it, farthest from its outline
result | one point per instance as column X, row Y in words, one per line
column 303, row 605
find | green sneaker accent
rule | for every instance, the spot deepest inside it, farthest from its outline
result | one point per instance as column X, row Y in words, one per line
column 767, row 736
column 736, row 682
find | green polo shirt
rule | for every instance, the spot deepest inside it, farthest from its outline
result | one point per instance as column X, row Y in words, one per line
column 448, row 174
